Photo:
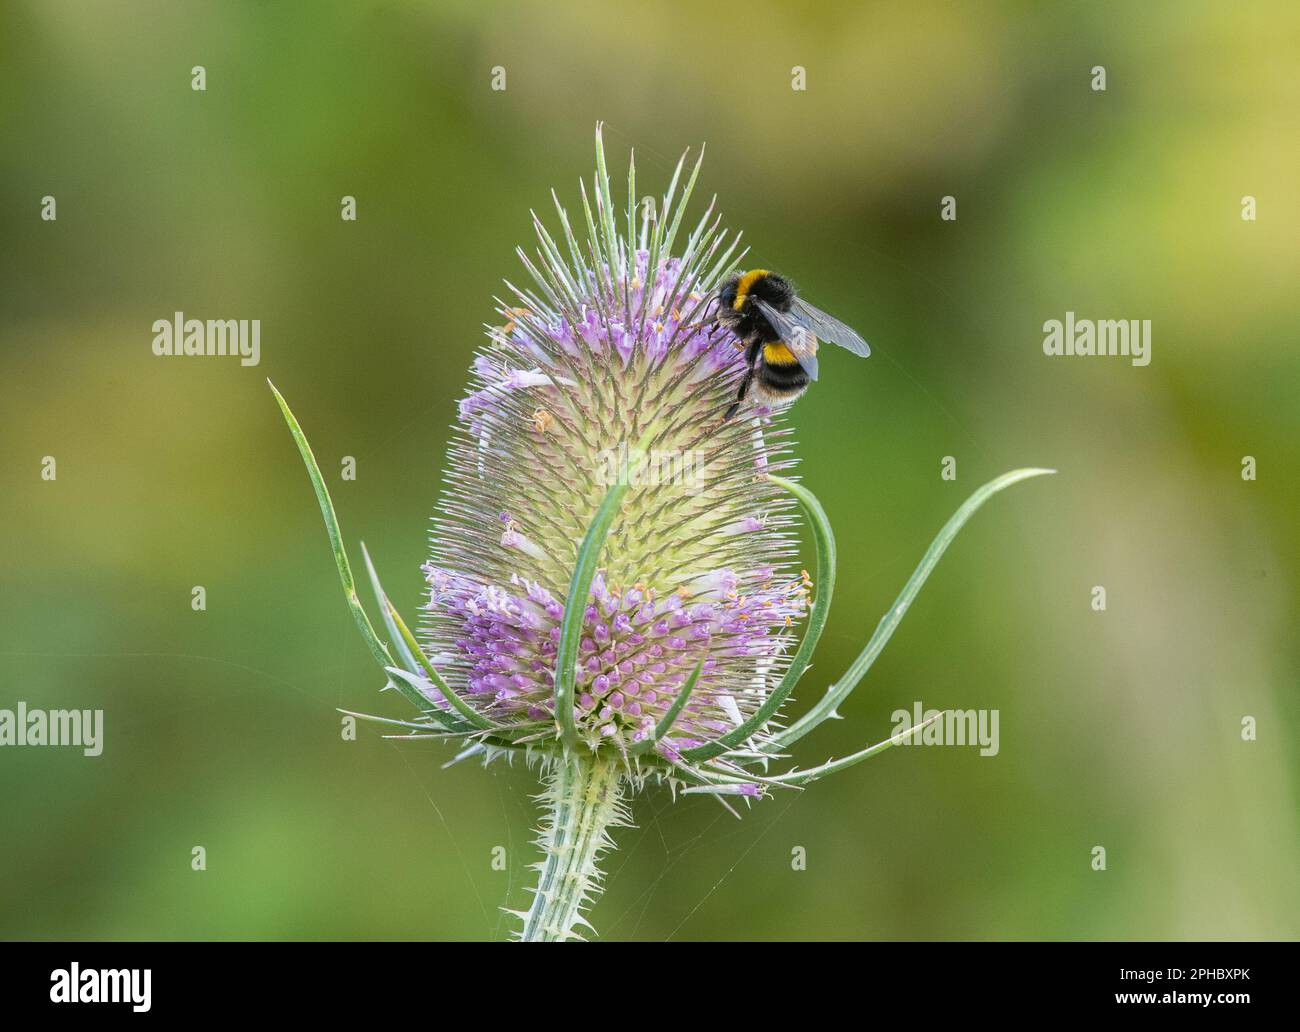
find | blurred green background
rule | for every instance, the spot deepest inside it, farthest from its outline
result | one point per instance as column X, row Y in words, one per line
column 1119, row 729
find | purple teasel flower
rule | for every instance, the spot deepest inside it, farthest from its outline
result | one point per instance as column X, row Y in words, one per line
column 612, row 590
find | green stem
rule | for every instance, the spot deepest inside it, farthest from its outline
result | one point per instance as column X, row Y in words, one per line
column 582, row 797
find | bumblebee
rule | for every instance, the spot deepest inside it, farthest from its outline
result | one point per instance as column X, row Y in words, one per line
column 780, row 332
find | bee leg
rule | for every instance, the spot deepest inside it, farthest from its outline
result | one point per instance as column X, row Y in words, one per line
column 740, row 395
column 704, row 320
column 751, row 357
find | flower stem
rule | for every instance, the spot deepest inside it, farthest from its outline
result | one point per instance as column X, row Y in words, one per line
column 583, row 801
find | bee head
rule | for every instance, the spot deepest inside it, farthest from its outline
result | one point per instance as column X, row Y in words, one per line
column 727, row 292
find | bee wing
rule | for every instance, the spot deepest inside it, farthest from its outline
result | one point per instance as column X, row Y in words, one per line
column 797, row 335
column 829, row 328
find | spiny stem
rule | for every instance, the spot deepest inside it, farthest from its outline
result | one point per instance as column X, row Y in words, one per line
column 582, row 798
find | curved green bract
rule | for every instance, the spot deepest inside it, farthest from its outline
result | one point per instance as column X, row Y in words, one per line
column 803, row 777
column 408, row 686
column 381, row 597
column 825, row 587
column 377, row 647
column 575, row 605
column 456, row 702
column 411, row 686
column 838, row 692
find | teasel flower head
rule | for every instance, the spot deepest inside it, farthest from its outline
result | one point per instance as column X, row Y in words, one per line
column 613, row 590
column 607, row 366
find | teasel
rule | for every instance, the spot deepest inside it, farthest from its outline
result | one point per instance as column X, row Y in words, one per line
column 613, row 591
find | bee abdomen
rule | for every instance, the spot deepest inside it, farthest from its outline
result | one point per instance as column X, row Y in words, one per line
column 785, row 382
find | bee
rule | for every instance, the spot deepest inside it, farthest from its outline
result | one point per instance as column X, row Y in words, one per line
column 779, row 331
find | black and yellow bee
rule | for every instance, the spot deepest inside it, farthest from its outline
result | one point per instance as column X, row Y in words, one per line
column 780, row 331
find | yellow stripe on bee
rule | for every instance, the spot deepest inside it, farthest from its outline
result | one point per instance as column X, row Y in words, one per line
column 777, row 353
column 742, row 288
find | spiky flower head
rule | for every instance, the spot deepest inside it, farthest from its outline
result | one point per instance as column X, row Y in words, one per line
column 609, row 365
